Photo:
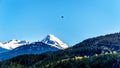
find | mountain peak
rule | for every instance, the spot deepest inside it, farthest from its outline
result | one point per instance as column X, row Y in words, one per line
column 54, row 41
column 13, row 44
column 50, row 36
column 13, row 41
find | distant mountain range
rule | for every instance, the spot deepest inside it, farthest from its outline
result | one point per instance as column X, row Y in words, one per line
column 16, row 47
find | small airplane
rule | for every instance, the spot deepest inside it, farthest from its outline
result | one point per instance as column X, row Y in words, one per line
column 62, row 16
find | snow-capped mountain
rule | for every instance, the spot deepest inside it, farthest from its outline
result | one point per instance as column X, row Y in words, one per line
column 12, row 44
column 49, row 44
column 54, row 41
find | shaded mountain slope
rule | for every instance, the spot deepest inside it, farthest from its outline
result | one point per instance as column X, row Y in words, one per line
column 34, row 48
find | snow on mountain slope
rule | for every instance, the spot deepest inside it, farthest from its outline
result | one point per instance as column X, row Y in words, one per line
column 54, row 41
column 12, row 44
column 49, row 40
column 1, row 44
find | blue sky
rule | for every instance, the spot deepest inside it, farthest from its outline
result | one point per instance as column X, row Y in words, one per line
column 33, row 19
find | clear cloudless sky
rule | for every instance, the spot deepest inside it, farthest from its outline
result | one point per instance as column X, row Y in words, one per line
column 33, row 19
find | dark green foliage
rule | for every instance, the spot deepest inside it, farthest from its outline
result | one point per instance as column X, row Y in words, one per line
column 103, row 61
column 28, row 60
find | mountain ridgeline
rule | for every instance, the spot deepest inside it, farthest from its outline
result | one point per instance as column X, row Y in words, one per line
column 107, row 43
column 100, row 52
